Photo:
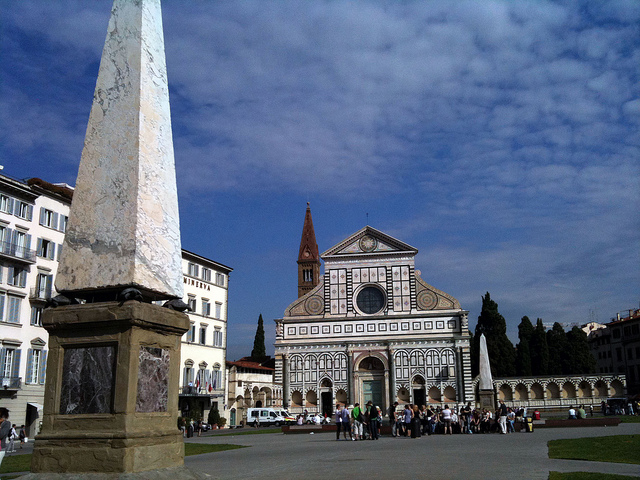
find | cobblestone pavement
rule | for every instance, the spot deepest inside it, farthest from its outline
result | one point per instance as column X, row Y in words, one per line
column 469, row 457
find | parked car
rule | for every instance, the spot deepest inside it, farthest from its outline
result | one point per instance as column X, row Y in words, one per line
column 205, row 427
column 310, row 419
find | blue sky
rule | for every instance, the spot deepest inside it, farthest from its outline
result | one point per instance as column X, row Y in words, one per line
column 498, row 138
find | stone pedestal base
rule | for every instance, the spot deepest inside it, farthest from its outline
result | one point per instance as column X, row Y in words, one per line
column 176, row 473
column 487, row 399
column 111, row 396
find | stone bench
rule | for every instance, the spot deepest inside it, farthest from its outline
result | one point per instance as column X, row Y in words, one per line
column 580, row 422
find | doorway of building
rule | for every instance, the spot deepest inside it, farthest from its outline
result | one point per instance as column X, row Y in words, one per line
column 372, row 391
column 419, row 396
column 259, row 404
column 326, row 399
column 232, row 419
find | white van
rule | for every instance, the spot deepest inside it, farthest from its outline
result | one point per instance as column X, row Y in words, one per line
column 264, row 416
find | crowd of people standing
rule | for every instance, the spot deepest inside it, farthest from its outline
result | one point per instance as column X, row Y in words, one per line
column 362, row 423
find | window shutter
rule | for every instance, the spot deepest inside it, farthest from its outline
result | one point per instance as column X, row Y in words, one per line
column 2, row 308
column 16, row 207
column 8, row 238
column 10, row 277
column 29, row 366
column 27, row 242
column 59, row 251
column 48, row 285
column 15, row 373
column 23, row 278
column 52, row 250
column 42, row 213
column 54, row 222
column 10, row 203
column 43, row 366
column 185, row 379
column 3, row 355
column 29, row 212
column 39, row 247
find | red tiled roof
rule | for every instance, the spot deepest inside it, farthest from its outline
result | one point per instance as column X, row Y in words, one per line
column 244, row 363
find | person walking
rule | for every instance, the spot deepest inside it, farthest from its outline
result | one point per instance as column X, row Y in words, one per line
column 22, row 436
column 5, row 431
column 13, row 435
column 502, row 409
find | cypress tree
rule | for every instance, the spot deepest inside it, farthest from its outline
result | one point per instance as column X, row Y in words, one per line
column 581, row 360
column 558, row 350
column 523, row 351
column 259, row 352
column 539, row 350
column 493, row 325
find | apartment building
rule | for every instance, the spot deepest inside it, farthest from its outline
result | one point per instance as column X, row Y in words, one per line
column 204, row 347
column 33, row 220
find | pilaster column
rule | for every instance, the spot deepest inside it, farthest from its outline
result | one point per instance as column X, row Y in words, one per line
column 286, row 394
column 350, row 383
column 391, row 393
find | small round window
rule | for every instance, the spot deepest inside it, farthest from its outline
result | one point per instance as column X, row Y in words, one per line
column 370, row 300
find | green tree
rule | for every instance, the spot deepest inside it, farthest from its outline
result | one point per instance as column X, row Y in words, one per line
column 580, row 359
column 501, row 352
column 558, row 350
column 259, row 352
column 523, row 351
column 539, row 350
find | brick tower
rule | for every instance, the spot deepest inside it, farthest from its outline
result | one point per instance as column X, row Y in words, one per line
column 308, row 258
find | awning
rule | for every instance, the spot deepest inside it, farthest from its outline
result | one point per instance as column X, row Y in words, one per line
column 37, row 406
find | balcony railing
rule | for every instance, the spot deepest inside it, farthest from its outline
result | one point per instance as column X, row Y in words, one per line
column 11, row 383
column 42, row 294
column 17, row 252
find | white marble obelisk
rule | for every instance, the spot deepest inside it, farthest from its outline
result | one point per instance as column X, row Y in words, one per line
column 124, row 228
column 486, row 380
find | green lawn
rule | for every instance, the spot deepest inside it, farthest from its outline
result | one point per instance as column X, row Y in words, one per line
column 629, row 418
column 253, row 431
column 22, row 463
column 15, row 463
column 199, row 448
column 616, row 449
column 587, row 476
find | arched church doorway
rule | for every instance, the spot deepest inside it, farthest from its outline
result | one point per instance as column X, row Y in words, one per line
column 258, row 403
column 371, row 372
column 326, row 397
column 419, row 392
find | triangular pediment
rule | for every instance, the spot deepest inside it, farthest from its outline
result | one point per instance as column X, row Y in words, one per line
column 369, row 241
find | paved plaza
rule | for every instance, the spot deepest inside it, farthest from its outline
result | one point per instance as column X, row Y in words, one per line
column 320, row 456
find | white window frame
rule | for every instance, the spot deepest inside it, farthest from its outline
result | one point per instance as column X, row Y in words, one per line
column 206, row 274
column 36, row 315
column 217, row 337
column 191, row 333
column 6, row 204
column 206, row 307
column 192, row 269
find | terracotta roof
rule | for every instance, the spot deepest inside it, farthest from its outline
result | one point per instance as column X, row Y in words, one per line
column 308, row 245
column 244, row 362
column 66, row 192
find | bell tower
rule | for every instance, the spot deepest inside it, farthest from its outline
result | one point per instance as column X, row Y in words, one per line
column 308, row 258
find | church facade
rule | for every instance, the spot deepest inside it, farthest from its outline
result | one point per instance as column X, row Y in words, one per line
column 371, row 329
